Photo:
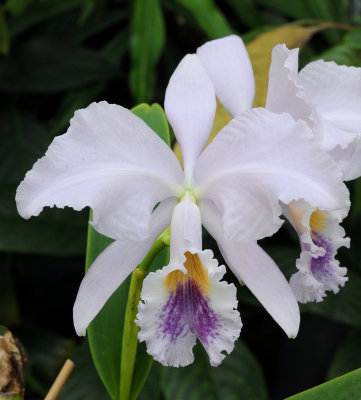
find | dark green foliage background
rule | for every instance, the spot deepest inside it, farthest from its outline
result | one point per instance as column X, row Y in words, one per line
column 60, row 55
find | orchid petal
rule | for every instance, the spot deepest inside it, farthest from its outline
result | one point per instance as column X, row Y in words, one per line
column 227, row 63
column 348, row 159
column 257, row 270
column 109, row 160
column 320, row 236
column 190, row 106
column 284, row 93
column 258, row 159
column 181, row 305
column 336, row 92
column 327, row 97
column 113, row 266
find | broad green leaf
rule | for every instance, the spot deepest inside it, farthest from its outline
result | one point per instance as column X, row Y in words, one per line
column 84, row 382
column 342, row 54
column 106, row 330
column 347, row 357
column 154, row 117
column 48, row 64
column 146, row 45
column 209, row 18
column 238, row 377
column 346, row 387
column 152, row 388
column 260, row 51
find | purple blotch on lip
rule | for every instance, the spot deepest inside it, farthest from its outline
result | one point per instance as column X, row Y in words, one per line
column 320, row 266
column 187, row 310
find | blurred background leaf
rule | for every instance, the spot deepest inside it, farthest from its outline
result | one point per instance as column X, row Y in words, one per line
column 58, row 56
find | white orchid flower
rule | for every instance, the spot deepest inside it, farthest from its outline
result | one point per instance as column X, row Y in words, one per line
column 113, row 162
column 325, row 96
column 328, row 97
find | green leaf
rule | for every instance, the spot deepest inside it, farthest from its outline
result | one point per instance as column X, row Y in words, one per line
column 345, row 387
column 106, row 349
column 106, row 330
column 84, row 382
column 146, row 45
column 209, row 17
column 154, row 117
column 48, row 64
column 152, row 388
column 238, row 377
column 347, row 357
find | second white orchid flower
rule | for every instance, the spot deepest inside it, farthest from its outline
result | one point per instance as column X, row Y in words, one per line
column 328, row 98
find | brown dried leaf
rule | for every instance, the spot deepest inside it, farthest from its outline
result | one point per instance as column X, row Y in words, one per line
column 12, row 364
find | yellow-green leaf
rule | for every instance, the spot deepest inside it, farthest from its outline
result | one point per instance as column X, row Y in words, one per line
column 346, row 387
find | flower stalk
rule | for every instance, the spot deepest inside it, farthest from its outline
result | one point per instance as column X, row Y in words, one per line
column 130, row 332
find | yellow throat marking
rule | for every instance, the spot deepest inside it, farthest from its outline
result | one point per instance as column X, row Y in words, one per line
column 195, row 272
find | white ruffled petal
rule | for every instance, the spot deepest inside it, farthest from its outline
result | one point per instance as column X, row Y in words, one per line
column 259, row 159
column 109, row 160
column 348, row 159
column 111, row 268
column 284, row 93
column 336, row 93
column 326, row 96
column 190, row 106
column 185, row 302
column 258, row 271
column 320, row 236
column 227, row 63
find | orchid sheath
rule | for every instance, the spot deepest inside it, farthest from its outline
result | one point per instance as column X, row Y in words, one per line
column 113, row 162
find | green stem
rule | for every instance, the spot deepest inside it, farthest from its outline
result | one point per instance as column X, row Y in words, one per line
column 130, row 332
